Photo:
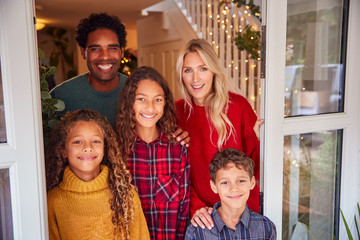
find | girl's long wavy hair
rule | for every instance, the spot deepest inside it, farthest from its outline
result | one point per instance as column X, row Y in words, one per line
column 119, row 180
column 125, row 118
column 217, row 101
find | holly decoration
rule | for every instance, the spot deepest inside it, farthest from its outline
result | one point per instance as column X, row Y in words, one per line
column 249, row 40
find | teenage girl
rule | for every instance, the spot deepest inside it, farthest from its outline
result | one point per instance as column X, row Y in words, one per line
column 159, row 165
column 89, row 190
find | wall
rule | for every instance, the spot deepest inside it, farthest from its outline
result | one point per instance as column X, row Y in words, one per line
column 161, row 36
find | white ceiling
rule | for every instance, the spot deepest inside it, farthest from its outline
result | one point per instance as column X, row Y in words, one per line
column 67, row 13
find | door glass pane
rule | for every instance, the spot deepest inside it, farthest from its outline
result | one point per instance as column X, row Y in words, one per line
column 6, row 227
column 315, row 59
column 2, row 113
column 311, row 185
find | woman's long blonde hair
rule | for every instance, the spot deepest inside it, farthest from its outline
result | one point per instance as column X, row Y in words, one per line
column 217, row 102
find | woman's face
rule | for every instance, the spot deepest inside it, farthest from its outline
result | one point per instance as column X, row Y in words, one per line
column 197, row 78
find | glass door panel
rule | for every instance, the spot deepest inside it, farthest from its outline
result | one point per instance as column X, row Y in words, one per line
column 311, row 185
column 6, row 227
column 311, row 140
column 315, row 43
column 2, row 113
column 22, row 180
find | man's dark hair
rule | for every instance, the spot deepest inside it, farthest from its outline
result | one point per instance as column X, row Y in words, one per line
column 100, row 21
column 231, row 155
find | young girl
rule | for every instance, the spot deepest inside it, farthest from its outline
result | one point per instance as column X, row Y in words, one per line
column 89, row 190
column 215, row 118
column 159, row 166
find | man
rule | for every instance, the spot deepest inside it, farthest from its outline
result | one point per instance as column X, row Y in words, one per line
column 102, row 39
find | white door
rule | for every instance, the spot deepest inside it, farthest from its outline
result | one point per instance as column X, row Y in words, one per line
column 311, row 142
column 22, row 181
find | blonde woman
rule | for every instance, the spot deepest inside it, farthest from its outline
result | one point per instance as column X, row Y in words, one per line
column 215, row 118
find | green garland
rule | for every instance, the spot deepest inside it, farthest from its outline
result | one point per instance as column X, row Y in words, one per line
column 249, row 4
column 248, row 39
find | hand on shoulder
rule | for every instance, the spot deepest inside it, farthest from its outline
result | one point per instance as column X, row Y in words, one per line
column 202, row 218
column 182, row 137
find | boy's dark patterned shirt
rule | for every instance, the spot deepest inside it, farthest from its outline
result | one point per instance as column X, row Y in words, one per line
column 250, row 226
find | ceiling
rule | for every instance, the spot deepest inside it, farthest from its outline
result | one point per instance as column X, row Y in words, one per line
column 68, row 13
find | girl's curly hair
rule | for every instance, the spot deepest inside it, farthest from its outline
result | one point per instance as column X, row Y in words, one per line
column 119, row 180
column 100, row 21
column 125, row 118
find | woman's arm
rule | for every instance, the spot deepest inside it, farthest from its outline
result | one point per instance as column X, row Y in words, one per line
column 257, row 126
column 249, row 139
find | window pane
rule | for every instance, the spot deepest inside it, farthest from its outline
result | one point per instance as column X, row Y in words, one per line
column 311, row 185
column 2, row 113
column 6, row 227
column 315, row 59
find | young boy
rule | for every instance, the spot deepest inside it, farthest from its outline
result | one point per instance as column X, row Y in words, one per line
column 231, row 174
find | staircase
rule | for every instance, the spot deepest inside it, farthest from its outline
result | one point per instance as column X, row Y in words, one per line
column 219, row 26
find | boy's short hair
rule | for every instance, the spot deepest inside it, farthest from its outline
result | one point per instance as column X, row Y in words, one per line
column 231, row 155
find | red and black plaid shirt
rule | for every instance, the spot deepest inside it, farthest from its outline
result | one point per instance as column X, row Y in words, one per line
column 161, row 172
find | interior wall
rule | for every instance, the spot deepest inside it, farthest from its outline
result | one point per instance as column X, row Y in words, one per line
column 131, row 40
column 163, row 58
column 161, row 36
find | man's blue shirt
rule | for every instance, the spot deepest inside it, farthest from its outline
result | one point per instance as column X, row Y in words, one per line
column 250, row 226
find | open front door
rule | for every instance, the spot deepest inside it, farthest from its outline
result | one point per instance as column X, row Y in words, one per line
column 22, row 182
column 311, row 143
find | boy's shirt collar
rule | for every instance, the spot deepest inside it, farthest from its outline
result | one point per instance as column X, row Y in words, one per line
column 219, row 223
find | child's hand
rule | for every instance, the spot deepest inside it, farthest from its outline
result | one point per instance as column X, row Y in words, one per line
column 257, row 127
column 182, row 136
column 202, row 217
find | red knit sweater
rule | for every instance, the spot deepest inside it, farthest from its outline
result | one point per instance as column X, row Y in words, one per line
column 202, row 149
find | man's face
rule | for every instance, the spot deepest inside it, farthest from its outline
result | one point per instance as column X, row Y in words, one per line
column 103, row 55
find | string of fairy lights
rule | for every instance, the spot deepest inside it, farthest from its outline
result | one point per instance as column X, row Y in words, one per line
column 128, row 63
column 126, row 69
column 230, row 20
column 226, row 17
column 223, row 17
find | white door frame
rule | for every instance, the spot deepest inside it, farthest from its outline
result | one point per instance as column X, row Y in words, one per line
column 23, row 152
column 276, row 127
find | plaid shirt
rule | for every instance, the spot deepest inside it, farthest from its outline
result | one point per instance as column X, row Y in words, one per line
column 161, row 172
column 250, row 226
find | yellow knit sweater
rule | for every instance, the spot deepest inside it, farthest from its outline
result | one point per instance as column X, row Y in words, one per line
column 81, row 210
